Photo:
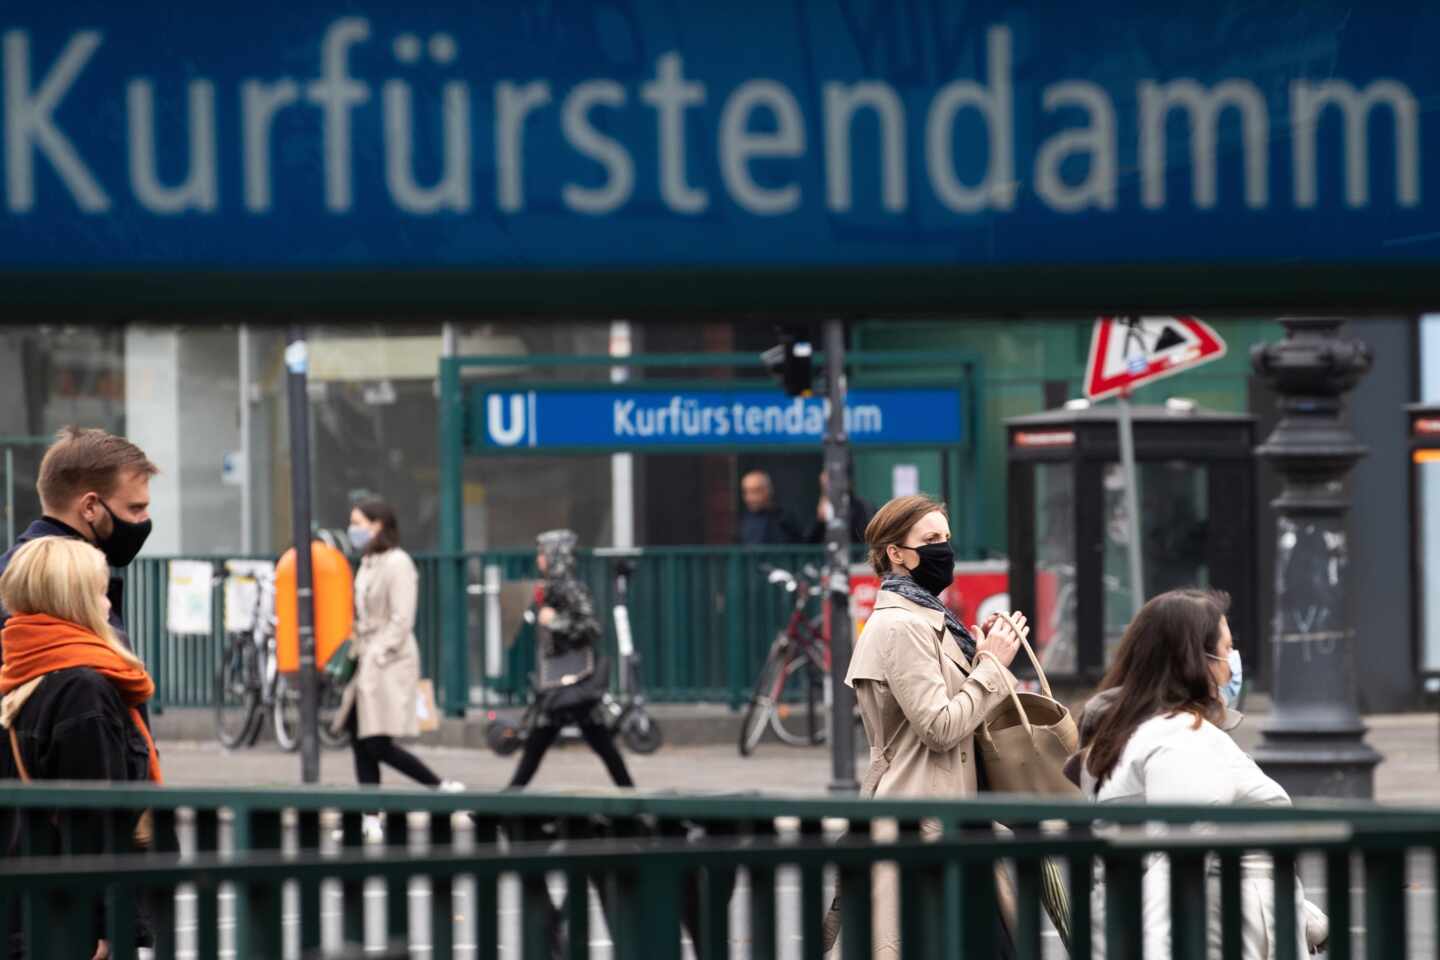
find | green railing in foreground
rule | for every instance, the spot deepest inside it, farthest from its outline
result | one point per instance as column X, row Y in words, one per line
column 670, row 863
column 702, row 618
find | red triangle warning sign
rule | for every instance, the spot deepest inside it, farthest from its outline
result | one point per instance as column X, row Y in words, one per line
column 1128, row 351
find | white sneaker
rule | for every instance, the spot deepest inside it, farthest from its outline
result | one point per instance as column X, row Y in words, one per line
column 372, row 828
column 450, row 786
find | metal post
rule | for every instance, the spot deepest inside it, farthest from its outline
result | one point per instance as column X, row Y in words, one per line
column 622, row 465
column 837, row 558
column 1313, row 742
column 453, row 604
column 1132, row 503
column 9, row 496
column 247, row 516
column 297, row 361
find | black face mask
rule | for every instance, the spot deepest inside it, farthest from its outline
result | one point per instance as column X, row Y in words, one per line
column 936, row 569
column 125, row 539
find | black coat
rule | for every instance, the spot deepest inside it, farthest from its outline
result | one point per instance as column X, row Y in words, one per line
column 75, row 726
column 50, row 527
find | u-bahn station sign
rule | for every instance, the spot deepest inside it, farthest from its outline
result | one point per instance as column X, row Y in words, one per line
column 660, row 419
column 603, row 139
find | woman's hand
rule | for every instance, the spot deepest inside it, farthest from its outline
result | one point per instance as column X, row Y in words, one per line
column 547, row 616
column 999, row 638
column 102, row 950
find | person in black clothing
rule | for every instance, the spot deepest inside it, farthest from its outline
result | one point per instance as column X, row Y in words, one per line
column 762, row 522
column 94, row 486
column 860, row 512
column 70, row 698
column 567, row 626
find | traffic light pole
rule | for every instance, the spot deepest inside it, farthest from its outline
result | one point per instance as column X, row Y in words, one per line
column 297, row 362
column 837, row 563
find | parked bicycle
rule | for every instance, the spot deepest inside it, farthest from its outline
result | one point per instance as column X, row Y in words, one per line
column 249, row 688
column 625, row 715
column 794, row 671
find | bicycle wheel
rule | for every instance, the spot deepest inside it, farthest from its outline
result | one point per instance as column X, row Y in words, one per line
column 237, row 693
column 286, row 715
column 330, row 697
column 641, row 733
column 796, row 718
column 762, row 702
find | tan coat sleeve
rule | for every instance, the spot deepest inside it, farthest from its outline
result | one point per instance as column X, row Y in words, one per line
column 916, row 679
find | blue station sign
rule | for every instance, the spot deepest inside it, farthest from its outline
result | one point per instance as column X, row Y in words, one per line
column 656, row 420
column 598, row 134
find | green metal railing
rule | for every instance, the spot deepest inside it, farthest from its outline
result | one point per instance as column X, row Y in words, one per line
column 663, row 864
column 702, row 618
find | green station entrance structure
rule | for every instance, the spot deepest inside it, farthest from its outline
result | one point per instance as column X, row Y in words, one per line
column 896, row 405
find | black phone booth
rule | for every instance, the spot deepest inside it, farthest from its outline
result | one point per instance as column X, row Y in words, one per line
column 1425, row 541
column 1069, row 534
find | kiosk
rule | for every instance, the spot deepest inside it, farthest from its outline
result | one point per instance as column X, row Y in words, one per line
column 1425, row 534
column 1069, row 528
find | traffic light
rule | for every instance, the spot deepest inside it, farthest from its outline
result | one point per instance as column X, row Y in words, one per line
column 789, row 363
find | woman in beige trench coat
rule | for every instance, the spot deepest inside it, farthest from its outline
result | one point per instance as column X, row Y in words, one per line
column 922, row 687
column 379, row 704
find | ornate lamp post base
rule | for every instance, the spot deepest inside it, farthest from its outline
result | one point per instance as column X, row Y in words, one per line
column 1314, row 741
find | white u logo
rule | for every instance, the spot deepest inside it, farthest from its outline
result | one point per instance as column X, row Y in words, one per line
column 505, row 435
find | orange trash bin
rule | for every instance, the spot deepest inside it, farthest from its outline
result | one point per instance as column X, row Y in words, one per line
column 334, row 588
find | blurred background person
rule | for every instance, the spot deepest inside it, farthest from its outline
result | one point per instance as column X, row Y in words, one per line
column 860, row 510
column 567, row 630
column 379, row 704
column 762, row 521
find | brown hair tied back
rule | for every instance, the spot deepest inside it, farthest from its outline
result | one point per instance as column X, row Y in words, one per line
column 379, row 511
column 892, row 522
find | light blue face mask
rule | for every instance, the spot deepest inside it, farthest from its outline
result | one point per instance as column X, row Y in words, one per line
column 360, row 537
column 1231, row 691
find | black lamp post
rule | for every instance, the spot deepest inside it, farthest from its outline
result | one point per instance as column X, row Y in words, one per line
column 1314, row 741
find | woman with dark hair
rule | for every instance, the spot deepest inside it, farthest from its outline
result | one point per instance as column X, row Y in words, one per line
column 1160, row 718
column 379, row 703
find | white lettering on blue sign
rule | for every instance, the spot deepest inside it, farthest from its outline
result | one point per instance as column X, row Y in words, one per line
column 624, row 418
column 758, row 120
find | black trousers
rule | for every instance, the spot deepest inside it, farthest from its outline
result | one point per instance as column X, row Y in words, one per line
column 373, row 751
column 542, row 737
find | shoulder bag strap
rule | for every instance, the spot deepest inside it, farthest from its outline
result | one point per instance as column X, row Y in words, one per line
column 15, row 752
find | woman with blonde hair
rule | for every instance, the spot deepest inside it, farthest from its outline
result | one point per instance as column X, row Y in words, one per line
column 69, row 691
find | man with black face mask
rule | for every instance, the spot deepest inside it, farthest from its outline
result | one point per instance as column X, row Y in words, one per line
column 94, row 486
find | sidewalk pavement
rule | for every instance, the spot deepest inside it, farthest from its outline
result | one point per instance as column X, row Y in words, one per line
column 1409, row 775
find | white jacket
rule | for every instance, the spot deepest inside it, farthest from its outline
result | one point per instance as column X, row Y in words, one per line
column 1175, row 760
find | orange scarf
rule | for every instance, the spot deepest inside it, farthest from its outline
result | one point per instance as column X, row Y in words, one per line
column 36, row 644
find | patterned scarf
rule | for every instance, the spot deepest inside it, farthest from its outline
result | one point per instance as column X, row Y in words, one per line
column 915, row 593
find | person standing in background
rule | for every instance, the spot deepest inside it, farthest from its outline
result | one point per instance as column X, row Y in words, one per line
column 762, row 522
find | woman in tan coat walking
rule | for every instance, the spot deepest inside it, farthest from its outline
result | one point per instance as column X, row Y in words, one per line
column 923, row 682
column 379, row 704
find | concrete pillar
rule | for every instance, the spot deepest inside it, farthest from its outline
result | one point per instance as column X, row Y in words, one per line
column 181, row 408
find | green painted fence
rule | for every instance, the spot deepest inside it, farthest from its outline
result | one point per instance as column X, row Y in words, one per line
column 702, row 618
column 664, row 864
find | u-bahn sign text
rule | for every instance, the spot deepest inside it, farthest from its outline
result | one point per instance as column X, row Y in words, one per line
column 648, row 134
column 660, row 419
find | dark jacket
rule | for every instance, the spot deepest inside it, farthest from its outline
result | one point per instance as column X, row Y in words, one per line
column 860, row 515
column 50, row 527
column 575, row 625
column 75, row 727
column 771, row 526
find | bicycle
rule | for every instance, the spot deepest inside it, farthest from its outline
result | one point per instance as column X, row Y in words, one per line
column 797, row 664
column 248, row 682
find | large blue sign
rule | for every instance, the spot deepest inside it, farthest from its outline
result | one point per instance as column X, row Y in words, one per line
column 641, row 133
column 626, row 418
